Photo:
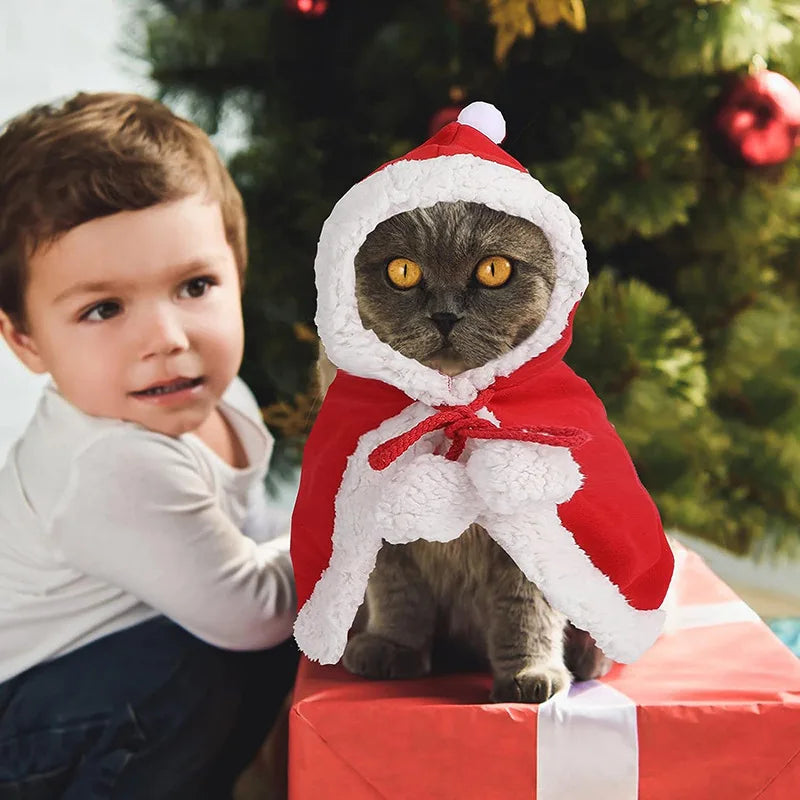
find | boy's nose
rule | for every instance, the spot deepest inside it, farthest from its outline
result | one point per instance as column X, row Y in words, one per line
column 164, row 334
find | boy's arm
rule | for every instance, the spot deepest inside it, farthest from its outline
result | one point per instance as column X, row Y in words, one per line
column 140, row 515
column 265, row 521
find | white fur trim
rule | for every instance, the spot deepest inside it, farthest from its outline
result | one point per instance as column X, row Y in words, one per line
column 433, row 500
column 414, row 184
column 549, row 556
column 484, row 413
column 323, row 622
column 510, row 475
column 486, row 118
column 422, row 495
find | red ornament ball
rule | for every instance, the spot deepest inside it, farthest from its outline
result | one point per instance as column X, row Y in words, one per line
column 444, row 116
column 308, row 8
column 760, row 118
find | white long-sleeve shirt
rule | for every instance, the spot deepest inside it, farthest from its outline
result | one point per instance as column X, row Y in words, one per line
column 104, row 524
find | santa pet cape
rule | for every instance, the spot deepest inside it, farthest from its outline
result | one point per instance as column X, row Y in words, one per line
column 521, row 446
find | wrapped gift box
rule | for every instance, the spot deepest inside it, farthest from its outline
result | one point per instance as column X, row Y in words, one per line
column 710, row 712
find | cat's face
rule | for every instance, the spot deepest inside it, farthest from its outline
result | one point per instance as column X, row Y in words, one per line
column 454, row 285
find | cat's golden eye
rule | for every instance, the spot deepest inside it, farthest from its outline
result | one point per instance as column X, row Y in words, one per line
column 493, row 271
column 404, row 273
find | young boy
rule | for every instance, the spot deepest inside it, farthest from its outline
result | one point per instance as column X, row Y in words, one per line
column 136, row 550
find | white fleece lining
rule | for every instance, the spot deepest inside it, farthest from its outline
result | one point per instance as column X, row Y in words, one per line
column 324, row 620
column 406, row 185
column 422, row 495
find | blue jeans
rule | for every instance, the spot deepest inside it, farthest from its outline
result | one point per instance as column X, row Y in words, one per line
column 146, row 713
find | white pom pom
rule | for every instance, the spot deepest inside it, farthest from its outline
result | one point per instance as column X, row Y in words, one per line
column 485, row 118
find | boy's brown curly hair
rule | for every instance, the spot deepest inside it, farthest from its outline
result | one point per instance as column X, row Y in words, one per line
column 92, row 156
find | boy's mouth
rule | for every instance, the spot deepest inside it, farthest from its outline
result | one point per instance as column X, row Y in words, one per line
column 169, row 387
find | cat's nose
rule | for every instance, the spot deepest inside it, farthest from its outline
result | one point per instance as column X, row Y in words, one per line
column 444, row 321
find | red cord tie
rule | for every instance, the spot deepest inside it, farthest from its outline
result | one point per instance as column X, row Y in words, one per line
column 460, row 423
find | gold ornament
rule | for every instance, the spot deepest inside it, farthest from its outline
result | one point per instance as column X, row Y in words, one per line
column 293, row 420
column 517, row 18
column 303, row 333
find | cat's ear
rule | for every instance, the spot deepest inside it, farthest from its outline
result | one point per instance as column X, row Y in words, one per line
column 22, row 344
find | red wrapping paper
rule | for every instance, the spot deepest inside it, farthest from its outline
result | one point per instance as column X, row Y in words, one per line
column 717, row 717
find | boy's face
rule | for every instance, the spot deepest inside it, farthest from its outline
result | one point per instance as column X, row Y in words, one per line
column 137, row 316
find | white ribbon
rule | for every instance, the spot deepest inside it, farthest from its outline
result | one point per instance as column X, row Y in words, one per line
column 587, row 745
column 587, row 738
column 700, row 615
column 706, row 614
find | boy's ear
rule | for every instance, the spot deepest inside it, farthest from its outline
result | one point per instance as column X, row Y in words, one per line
column 21, row 344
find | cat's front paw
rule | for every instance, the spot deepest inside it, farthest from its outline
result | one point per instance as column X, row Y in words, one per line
column 372, row 656
column 531, row 685
column 585, row 660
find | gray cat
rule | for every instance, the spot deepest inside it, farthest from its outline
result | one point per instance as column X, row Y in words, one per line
column 454, row 286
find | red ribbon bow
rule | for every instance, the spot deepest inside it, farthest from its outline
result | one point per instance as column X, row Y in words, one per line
column 461, row 423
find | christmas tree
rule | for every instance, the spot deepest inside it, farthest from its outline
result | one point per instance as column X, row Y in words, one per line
column 669, row 128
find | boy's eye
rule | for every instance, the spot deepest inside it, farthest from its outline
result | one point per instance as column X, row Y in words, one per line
column 101, row 311
column 196, row 287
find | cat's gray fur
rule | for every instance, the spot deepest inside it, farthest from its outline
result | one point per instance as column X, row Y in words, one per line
column 468, row 591
column 448, row 240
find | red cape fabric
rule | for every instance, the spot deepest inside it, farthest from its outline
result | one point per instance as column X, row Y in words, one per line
column 611, row 517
